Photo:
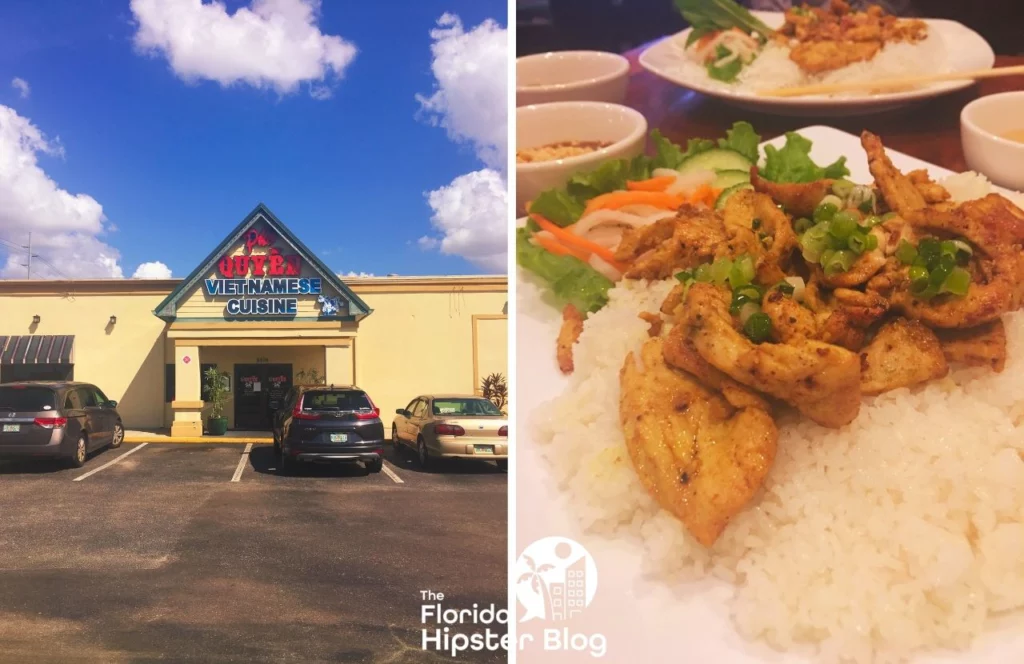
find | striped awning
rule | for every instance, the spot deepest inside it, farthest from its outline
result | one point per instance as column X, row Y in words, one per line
column 36, row 349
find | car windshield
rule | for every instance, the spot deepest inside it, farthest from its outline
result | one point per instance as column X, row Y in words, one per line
column 336, row 400
column 25, row 399
column 465, row 407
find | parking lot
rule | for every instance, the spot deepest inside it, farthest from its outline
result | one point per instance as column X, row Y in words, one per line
column 204, row 553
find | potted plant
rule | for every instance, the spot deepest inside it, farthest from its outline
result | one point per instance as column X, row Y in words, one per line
column 495, row 389
column 216, row 395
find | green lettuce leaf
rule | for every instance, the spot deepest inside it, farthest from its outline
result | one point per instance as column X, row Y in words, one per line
column 570, row 279
column 792, row 163
column 557, row 206
column 743, row 139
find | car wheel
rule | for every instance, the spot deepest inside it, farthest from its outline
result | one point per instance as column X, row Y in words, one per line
column 395, row 443
column 422, row 454
column 77, row 458
column 502, row 464
column 374, row 466
column 118, row 437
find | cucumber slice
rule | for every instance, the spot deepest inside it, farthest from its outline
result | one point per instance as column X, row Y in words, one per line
column 724, row 196
column 726, row 179
column 717, row 159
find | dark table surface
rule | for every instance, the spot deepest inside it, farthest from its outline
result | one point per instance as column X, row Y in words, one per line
column 927, row 130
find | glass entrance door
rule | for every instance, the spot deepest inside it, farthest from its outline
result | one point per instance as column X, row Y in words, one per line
column 259, row 391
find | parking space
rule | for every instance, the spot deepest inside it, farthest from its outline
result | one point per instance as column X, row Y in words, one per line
column 161, row 555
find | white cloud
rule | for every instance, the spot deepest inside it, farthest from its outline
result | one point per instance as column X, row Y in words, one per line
column 271, row 44
column 21, row 85
column 360, row 274
column 65, row 227
column 472, row 215
column 470, row 101
column 152, row 270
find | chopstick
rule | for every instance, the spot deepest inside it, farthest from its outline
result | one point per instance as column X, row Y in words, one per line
column 884, row 84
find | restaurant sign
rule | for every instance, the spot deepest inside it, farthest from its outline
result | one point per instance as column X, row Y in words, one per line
column 263, row 284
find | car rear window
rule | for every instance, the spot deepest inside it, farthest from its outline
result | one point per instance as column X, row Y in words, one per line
column 465, row 407
column 336, row 400
column 26, row 399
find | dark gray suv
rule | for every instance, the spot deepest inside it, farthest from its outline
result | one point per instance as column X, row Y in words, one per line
column 56, row 420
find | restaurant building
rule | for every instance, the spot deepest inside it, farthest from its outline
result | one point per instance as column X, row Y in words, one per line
column 265, row 311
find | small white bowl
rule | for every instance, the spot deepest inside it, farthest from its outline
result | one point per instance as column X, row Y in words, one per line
column 571, row 76
column 543, row 124
column 983, row 122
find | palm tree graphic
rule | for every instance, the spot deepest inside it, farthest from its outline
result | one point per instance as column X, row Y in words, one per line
column 537, row 582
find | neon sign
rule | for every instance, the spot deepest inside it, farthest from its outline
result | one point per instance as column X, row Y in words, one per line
column 256, row 276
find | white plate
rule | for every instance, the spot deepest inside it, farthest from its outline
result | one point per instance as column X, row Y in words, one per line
column 966, row 50
column 648, row 620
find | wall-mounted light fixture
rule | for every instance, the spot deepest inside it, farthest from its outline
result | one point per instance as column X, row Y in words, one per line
column 113, row 320
column 35, row 319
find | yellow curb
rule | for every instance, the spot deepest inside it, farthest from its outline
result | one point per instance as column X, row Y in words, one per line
column 208, row 440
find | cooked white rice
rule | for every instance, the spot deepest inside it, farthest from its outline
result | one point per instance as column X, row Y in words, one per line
column 773, row 68
column 900, row 532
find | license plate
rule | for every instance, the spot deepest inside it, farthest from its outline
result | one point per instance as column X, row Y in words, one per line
column 483, row 449
column 339, row 437
column 12, row 428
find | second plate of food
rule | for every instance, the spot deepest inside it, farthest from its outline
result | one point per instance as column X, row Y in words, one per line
column 808, row 47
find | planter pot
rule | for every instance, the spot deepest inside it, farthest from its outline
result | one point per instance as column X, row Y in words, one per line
column 217, row 426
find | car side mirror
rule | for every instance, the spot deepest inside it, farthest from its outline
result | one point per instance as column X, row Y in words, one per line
column 402, row 411
column 111, row 404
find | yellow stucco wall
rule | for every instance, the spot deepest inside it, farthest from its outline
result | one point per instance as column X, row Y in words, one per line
column 125, row 360
column 419, row 338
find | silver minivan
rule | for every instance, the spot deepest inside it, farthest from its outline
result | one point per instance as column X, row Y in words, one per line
column 56, row 420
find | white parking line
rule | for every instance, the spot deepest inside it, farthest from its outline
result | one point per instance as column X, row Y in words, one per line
column 110, row 463
column 392, row 474
column 241, row 463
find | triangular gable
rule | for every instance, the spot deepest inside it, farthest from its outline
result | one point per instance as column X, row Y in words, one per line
column 354, row 307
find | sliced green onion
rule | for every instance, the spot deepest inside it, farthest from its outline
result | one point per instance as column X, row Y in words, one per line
column 831, row 199
column 813, row 243
column 755, row 224
column 928, row 251
column 826, row 256
column 906, row 252
column 684, row 276
column 838, row 262
column 786, row 287
column 843, row 224
column 747, row 310
column 918, row 278
column 957, row 282
column 964, row 250
column 720, row 270
column 842, row 188
column 802, row 225
column 862, row 197
column 887, row 216
column 870, row 221
column 825, row 211
column 937, row 275
column 948, row 248
column 758, row 327
column 702, row 273
column 742, row 272
column 867, row 207
column 857, row 242
column 834, row 242
column 871, row 242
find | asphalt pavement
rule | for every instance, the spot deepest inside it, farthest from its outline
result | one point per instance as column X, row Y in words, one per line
column 204, row 553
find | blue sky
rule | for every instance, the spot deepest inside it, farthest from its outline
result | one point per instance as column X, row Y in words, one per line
column 176, row 163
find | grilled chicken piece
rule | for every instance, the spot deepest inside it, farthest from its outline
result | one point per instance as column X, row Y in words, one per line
column 844, row 315
column 790, row 321
column 700, row 458
column 797, row 198
column 673, row 299
column 654, row 321
column 980, row 346
column 902, row 354
column 658, row 250
column 931, row 191
column 899, row 192
column 821, row 380
column 680, row 353
column 992, row 224
column 866, row 266
column 755, row 225
column 572, row 327
column 820, row 56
